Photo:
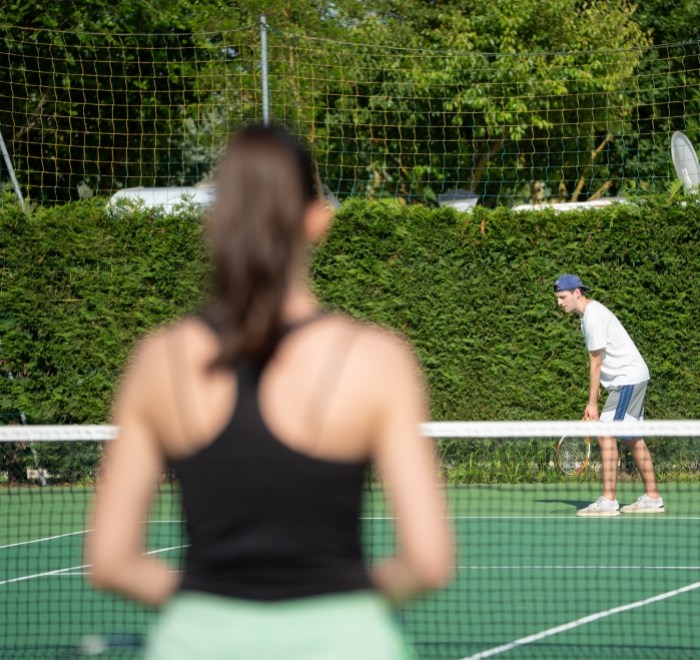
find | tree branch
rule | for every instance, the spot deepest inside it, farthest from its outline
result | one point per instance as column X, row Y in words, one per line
column 604, row 188
column 582, row 179
column 480, row 167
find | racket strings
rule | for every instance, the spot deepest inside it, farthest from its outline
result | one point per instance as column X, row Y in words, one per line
column 573, row 454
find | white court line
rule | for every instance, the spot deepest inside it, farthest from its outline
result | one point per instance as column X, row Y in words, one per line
column 84, row 573
column 569, row 516
column 564, row 567
column 172, row 547
column 580, row 622
column 534, row 567
column 555, row 516
column 46, row 538
column 58, row 571
column 565, row 516
column 71, row 569
column 82, row 531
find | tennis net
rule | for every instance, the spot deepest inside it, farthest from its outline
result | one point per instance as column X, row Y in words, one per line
column 532, row 580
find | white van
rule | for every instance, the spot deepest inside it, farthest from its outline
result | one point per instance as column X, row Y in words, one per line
column 169, row 200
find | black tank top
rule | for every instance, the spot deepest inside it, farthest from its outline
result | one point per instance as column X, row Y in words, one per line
column 266, row 522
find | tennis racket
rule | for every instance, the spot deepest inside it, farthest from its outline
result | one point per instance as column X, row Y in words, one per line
column 573, row 454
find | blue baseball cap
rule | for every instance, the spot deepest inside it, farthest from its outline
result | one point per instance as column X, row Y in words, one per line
column 569, row 283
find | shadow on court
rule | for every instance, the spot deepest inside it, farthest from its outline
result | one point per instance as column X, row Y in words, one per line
column 573, row 504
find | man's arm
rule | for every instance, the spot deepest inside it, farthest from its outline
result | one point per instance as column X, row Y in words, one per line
column 596, row 361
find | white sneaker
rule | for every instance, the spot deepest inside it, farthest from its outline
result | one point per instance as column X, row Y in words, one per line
column 601, row 507
column 645, row 504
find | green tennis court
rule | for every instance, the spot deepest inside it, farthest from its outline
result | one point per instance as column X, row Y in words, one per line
column 532, row 580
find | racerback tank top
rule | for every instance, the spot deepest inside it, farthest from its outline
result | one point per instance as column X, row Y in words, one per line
column 266, row 522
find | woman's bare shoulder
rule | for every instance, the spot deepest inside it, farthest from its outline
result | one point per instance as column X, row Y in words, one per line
column 186, row 338
column 376, row 345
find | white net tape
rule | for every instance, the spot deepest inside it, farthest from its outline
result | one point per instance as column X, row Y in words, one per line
column 557, row 429
column 490, row 429
column 59, row 433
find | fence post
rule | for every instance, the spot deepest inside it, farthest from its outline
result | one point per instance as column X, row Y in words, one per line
column 11, row 171
column 263, row 59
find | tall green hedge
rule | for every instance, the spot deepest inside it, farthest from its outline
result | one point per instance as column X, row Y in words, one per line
column 78, row 286
column 475, row 295
column 473, row 292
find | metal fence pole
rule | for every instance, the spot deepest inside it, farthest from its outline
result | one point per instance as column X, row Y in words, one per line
column 11, row 170
column 263, row 59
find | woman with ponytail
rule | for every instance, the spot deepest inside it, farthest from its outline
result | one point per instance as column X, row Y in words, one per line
column 270, row 411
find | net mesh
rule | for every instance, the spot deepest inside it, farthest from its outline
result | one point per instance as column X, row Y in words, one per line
column 531, row 579
column 526, row 120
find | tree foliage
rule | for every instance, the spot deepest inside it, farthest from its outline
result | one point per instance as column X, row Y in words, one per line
column 94, row 101
column 486, row 91
column 400, row 97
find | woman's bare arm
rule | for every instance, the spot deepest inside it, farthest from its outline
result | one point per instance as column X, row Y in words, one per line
column 406, row 463
column 130, row 474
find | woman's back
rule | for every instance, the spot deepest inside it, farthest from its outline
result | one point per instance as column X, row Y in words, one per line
column 268, row 521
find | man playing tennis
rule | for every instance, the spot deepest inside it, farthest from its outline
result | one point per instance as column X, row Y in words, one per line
column 617, row 365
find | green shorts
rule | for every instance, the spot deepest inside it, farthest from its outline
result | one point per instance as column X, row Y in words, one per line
column 336, row 627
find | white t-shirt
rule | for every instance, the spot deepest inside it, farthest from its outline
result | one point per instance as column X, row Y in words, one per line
column 622, row 362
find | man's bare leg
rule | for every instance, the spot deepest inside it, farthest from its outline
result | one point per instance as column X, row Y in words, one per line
column 645, row 465
column 609, row 456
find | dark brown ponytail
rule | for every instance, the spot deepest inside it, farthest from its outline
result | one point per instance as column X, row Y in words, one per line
column 265, row 184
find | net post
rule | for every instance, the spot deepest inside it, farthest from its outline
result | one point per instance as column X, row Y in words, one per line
column 263, row 60
column 11, row 171
column 35, row 456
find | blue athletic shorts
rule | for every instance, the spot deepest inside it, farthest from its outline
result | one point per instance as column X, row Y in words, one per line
column 624, row 403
